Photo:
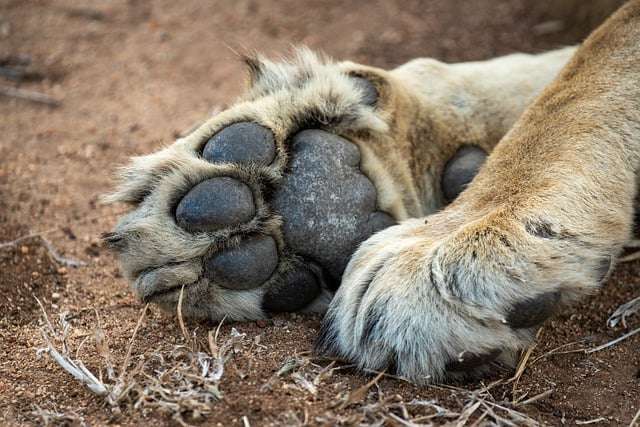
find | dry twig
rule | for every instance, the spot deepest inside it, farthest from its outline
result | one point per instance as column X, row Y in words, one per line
column 53, row 417
column 55, row 255
column 593, row 421
column 622, row 312
column 612, row 342
column 29, row 95
column 177, row 381
column 51, row 250
column 636, row 420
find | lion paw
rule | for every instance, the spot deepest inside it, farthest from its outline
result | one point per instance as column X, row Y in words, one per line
column 452, row 297
column 258, row 210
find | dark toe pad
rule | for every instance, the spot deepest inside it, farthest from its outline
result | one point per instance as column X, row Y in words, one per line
column 328, row 205
column 468, row 361
column 215, row 203
column 532, row 312
column 460, row 171
column 245, row 267
column 241, row 143
column 296, row 290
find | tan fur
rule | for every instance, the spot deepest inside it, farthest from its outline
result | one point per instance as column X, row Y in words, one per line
column 425, row 111
column 435, row 108
column 546, row 215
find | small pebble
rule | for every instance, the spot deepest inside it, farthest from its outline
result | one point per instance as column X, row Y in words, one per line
column 279, row 323
column 62, row 270
column 24, row 249
column 55, row 296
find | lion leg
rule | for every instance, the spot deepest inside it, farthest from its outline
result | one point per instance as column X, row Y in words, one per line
column 540, row 226
column 260, row 208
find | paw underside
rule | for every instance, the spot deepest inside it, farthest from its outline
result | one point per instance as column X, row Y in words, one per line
column 431, row 307
column 259, row 210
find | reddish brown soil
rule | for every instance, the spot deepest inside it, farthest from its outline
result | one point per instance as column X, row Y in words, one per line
column 131, row 76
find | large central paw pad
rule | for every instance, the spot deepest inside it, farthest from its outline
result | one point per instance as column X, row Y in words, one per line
column 252, row 213
column 326, row 196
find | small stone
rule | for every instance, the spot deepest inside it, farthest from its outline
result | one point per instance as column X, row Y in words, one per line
column 55, row 296
column 62, row 270
column 24, row 249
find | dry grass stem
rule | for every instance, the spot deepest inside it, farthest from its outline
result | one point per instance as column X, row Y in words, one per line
column 522, row 365
column 55, row 255
column 29, row 95
column 535, row 398
column 622, row 312
column 593, row 421
column 636, row 420
column 612, row 342
column 52, row 417
column 41, row 234
column 63, row 358
column 51, row 250
column 360, row 393
column 183, row 328
column 555, row 351
column 178, row 381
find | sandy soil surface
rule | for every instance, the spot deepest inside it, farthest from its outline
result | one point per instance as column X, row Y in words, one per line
column 130, row 76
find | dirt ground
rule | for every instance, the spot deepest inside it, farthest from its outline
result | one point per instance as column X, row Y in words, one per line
column 130, row 76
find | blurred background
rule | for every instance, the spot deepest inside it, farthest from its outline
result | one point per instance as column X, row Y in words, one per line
column 123, row 77
column 84, row 85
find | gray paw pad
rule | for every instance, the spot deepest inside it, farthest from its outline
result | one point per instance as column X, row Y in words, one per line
column 241, row 143
column 328, row 205
column 460, row 171
column 468, row 361
column 214, row 204
column 534, row 311
column 295, row 291
column 369, row 91
column 245, row 267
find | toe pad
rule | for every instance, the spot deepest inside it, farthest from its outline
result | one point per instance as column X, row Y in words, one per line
column 215, row 203
column 296, row 290
column 245, row 267
column 241, row 143
column 460, row 171
column 468, row 361
column 534, row 311
column 328, row 205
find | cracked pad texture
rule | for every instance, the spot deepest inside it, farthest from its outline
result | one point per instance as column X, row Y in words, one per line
column 328, row 205
column 241, row 143
column 245, row 267
column 214, row 204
